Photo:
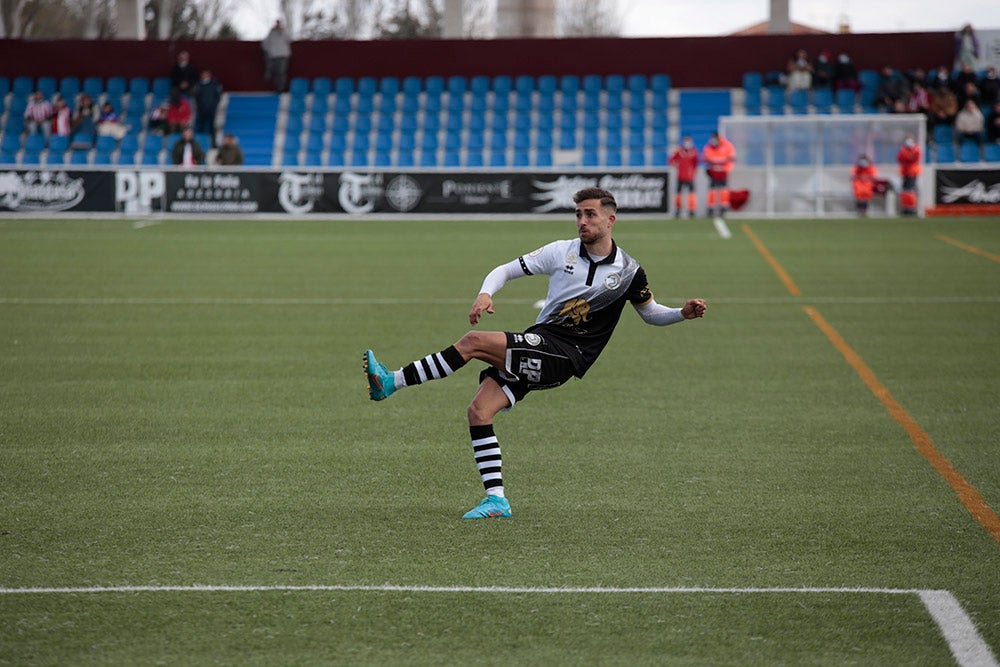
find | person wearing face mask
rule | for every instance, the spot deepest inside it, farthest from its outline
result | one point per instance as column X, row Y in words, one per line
column 845, row 74
column 863, row 177
column 207, row 95
column 799, row 71
column 685, row 161
column 908, row 158
column 720, row 158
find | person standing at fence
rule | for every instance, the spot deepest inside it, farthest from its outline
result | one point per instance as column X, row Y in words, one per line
column 277, row 51
column 720, row 158
column 863, row 177
column 909, row 157
column 685, row 161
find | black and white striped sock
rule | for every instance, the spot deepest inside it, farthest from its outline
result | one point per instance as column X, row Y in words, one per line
column 432, row 367
column 486, row 449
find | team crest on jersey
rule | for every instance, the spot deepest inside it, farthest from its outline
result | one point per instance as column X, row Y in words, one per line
column 577, row 310
column 613, row 281
column 532, row 339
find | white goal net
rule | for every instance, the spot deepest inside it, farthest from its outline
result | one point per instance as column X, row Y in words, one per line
column 800, row 166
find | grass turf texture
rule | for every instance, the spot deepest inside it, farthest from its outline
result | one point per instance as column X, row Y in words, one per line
column 183, row 404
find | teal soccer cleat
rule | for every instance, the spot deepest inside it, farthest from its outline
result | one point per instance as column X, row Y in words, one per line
column 381, row 383
column 491, row 507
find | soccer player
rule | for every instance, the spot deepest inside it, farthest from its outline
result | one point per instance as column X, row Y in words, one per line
column 720, row 157
column 685, row 161
column 590, row 280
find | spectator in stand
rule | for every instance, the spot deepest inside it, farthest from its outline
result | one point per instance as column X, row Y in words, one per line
column 109, row 123
column 207, row 95
column 917, row 75
column 863, row 177
column 183, row 75
column 158, row 118
column 62, row 119
column 38, row 115
column 685, row 161
column 964, row 77
column 939, row 77
column 966, row 48
column 892, row 88
column 720, row 158
column 993, row 124
column 989, row 86
column 187, row 151
column 83, row 128
column 969, row 123
column 969, row 92
column 178, row 112
column 944, row 106
column 919, row 100
column 277, row 48
column 909, row 158
column 229, row 154
column 845, row 74
column 799, row 72
column 823, row 71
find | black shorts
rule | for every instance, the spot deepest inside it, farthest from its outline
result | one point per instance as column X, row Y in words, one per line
column 717, row 180
column 533, row 362
column 685, row 185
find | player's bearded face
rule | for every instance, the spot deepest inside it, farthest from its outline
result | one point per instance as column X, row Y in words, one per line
column 593, row 223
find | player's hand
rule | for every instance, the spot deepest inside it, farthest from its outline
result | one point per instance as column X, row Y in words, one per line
column 694, row 308
column 483, row 302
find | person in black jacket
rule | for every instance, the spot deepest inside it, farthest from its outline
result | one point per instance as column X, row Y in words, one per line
column 207, row 94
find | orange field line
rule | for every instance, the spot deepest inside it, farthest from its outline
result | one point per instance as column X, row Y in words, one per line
column 972, row 249
column 762, row 249
column 967, row 493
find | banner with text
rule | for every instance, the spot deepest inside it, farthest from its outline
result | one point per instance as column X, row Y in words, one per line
column 304, row 192
column 967, row 187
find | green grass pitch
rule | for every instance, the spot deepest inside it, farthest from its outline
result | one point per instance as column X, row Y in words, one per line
column 182, row 405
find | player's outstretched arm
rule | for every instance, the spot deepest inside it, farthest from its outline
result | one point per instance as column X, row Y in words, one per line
column 484, row 302
column 694, row 308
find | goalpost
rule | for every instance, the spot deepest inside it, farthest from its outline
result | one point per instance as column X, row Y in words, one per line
column 800, row 166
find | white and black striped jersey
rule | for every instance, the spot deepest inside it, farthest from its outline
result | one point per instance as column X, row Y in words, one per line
column 585, row 297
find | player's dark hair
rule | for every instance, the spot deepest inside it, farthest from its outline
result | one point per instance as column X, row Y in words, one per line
column 607, row 199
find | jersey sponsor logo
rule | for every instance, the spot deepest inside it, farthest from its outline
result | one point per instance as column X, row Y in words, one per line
column 536, row 253
column 532, row 339
column 530, row 369
column 613, row 281
column 577, row 310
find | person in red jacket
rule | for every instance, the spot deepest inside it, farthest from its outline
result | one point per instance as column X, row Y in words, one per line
column 908, row 158
column 178, row 113
column 720, row 157
column 864, row 174
column 685, row 161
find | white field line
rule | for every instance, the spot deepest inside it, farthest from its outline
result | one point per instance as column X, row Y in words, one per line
column 958, row 630
column 358, row 301
column 722, row 228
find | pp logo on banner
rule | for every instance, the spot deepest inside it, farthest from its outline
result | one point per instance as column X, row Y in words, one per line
column 136, row 192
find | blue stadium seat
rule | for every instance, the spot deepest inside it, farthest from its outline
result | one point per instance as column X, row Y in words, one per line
column 48, row 85
column 69, row 88
column 116, row 87
column 79, row 157
column 405, row 159
column 591, row 158
column 776, row 100
column 34, row 143
column 752, row 81
column 543, row 159
column 660, row 83
column 522, row 159
column 298, row 87
column 753, row 102
column 23, row 86
column 524, row 84
column 11, row 142
column 452, row 159
column 637, row 158
column 480, row 85
column 968, row 151
column 457, row 85
column 343, row 85
column 502, row 84
column 434, row 85
column 943, row 134
column 569, row 84
column 4, row 89
column 31, row 158
column 799, row 101
column 359, row 158
column 336, row 159
column 991, row 152
column 944, row 153
column 412, row 85
column 823, row 100
column 138, row 86
column 474, row 159
column 161, row 88
column 93, row 86
column 428, row 158
column 57, row 146
column 389, row 86
column 498, row 158
column 592, row 83
column 846, row 100
column 322, row 86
